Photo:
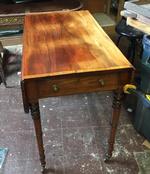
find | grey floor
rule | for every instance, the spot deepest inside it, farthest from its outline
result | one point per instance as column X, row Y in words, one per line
column 75, row 132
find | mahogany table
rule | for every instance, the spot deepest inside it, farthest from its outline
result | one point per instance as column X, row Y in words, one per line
column 67, row 53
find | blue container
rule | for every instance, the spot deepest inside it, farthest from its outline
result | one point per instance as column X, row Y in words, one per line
column 142, row 116
column 146, row 50
column 145, row 65
column 145, row 78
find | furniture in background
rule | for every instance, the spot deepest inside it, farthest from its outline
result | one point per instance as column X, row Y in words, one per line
column 104, row 13
column 8, row 63
column 133, row 35
column 72, row 60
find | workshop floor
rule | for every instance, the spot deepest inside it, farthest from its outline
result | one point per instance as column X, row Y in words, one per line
column 75, row 130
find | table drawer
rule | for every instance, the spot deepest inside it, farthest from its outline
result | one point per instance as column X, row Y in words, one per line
column 74, row 85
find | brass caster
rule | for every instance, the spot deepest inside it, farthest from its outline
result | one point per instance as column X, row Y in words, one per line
column 107, row 158
column 43, row 170
column 26, row 110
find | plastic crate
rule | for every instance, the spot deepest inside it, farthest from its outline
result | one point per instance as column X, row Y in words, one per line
column 145, row 65
column 146, row 50
column 142, row 116
column 145, row 79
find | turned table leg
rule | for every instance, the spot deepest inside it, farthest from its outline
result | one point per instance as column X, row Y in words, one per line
column 24, row 97
column 115, row 118
column 2, row 76
column 35, row 112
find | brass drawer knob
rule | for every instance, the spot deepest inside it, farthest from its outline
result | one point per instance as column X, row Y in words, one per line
column 55, row 88
column 101, row 82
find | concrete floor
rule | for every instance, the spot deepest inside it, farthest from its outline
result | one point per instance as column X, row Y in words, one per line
column 75, row 130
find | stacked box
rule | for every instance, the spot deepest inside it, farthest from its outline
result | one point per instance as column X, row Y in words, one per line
column 142, row 113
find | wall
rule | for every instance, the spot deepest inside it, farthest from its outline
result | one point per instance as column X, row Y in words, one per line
column 95, row 5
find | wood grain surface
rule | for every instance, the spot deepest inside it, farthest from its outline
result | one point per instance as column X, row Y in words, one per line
column 66, row 43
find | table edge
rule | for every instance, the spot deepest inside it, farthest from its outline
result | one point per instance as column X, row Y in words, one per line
column 27, row 77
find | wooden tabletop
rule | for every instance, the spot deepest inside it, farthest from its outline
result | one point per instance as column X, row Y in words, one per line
column 61, row 43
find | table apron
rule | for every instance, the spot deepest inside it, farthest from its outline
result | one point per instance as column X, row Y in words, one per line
column 68, row 85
